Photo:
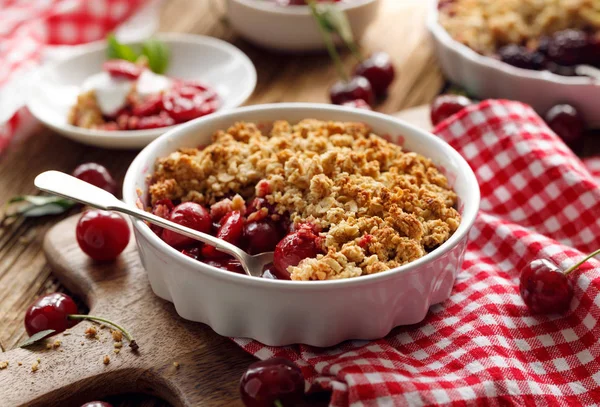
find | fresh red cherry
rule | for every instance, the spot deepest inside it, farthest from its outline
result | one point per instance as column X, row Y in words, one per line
column 293, row 248
column 566, row 122
column 96, row 175
column 358, row 87
column 50, row 312
column 445, row 106
column 545, row 288
column 191, row 215
column 97, row 404
column 102, row 235
column 58, row 311
column 119, row 68
column 357, row 104
column 272, row 382
column 379, row 71
column 230, row 229
column 261, row 236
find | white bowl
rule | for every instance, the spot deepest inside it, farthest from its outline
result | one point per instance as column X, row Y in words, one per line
column 292, row 28
column 319, row 313
column 486, row 77
column 56, row 86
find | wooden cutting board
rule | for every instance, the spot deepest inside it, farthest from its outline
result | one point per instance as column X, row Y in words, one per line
column 183, row 362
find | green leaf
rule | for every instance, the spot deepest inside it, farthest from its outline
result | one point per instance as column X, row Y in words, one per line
column 157, row 54
column 116, row 50
column 36, row 338
column 36, row 205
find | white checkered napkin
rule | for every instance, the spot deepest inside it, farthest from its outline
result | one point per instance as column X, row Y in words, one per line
column 482, row 346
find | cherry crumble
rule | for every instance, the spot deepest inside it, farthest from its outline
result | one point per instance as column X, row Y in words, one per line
column 332, row 199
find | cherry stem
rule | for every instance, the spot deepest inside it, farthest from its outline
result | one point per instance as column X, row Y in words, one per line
column 132, row 343
column 328, row 41
column 572, row 268
column 278, row 403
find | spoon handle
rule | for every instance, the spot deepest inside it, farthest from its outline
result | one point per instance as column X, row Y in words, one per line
column 67, row 186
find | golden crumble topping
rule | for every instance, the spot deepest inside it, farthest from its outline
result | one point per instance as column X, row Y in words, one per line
column 486, row 25
column 377, row 206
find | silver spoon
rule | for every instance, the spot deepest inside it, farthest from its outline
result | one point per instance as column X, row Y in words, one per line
column 64, row 185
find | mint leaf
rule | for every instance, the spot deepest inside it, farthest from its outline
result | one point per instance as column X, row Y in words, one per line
column 116, row 50
column 157, row 54
column 35, row 205
column 36, row 338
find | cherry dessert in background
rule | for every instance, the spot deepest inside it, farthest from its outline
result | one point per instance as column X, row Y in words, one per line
column 445, row 106
column 545, row 288
column 102, row 235
column 96, row 175
column 272, row 382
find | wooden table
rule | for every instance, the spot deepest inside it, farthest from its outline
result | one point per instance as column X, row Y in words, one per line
column 24, row 274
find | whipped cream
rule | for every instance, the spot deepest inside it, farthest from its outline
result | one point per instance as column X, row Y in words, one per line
column 111, row 93
column 150, row 83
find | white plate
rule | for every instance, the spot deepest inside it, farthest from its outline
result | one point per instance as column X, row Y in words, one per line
column 486, row 77
column 221, row 65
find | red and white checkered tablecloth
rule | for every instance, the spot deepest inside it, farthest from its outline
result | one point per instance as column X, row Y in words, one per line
column 482, row 346
column 30, row 30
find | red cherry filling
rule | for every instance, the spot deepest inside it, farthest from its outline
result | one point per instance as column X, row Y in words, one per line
column 230, row 230
column 445, row 106
column 261, row 236
column 229, row 264
column 189, row 101
column 191, row 215
column 272, row 382
column 545, row 288
column 102, row 235
column 293, row 248
column 96, row 175
column 119, row 68
column 50, row 312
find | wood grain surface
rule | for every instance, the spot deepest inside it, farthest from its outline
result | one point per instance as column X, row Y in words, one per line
column 24, row 272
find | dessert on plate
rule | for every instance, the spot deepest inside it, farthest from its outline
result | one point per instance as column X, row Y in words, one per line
column 550, row 35
column 332, row 199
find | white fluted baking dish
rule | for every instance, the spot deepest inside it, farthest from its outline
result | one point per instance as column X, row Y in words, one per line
column 319, row 313
column 486, row 77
